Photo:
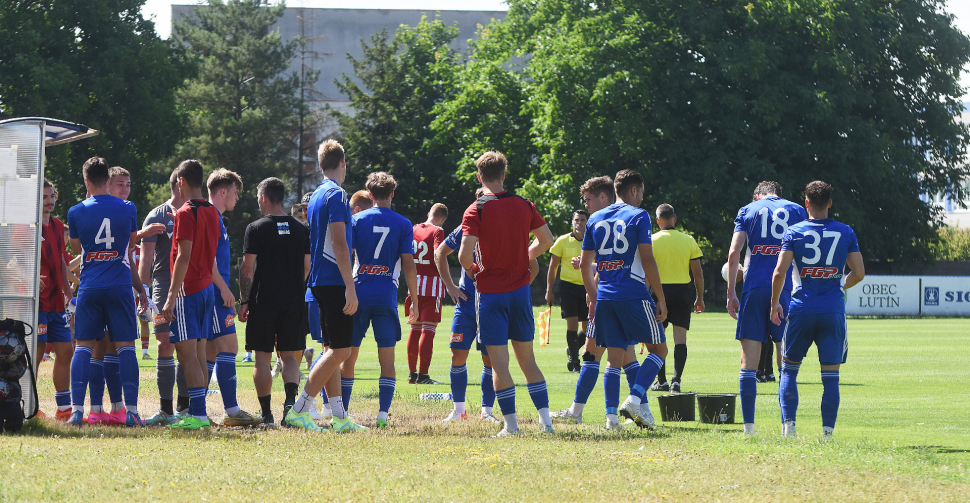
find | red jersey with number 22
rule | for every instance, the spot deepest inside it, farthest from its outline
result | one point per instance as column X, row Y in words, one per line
column 427, row 237
column 197, row 221
column 502, row 223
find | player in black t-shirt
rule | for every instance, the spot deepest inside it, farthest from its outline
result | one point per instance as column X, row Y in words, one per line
column 272, row 280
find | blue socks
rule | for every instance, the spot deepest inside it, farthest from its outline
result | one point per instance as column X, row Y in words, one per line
column 788, row 390
column 226, row 376
column 96, row 379
column 611, row 388
column 62, row 398
column 631, row 370
column 539, row 394
column 112, row 377
column 346, row 388
column 80, row 374
column 385, row 388
column 647, row 373
column 587, row 381
column 830, row 398
column 488, row 387
column 128, row 375
column 459, row 382
column 748, row 384
column 506, row 400
column 197, row 403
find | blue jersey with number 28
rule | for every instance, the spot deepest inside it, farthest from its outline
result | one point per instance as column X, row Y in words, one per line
column 104, row 225
column 615, row 233
column 380, row 237
column 765, row 222
column 820, row 248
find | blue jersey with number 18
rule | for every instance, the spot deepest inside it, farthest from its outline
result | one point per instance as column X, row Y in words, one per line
column 765, row 221
column 104, row 225
column 380, row 237
column 820, row 248
column 615, row 233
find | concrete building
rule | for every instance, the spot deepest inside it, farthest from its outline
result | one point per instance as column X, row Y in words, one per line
column 955, row 214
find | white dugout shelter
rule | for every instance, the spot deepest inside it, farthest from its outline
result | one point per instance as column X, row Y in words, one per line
column 22, row 147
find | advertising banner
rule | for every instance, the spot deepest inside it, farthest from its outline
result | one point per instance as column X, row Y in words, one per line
column 945, row 296
column 884, row 296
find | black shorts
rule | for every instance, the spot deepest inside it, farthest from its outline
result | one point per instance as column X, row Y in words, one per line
column 271, row 330
column 680, row 304
column 336, row 327
column 573, row 299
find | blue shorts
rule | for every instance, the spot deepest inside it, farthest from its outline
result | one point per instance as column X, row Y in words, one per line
column 620, row 323
column 506, row 316
column 111, row 308
column 826, row 330
column 53, row 327
column 313, row 316
column 464, row 328
column 387, row 326
column 223, row 321
column 193, row 317
column 754, row 315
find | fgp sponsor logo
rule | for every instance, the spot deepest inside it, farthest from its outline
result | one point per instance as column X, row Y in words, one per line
column 766, row 250
column 931, row 296
column 378, row 270
column 610, row 265
column 457, row 337
column 159, row 319
column 101, row 256
column 282, row 228
column 230, row 321
column 820, row 272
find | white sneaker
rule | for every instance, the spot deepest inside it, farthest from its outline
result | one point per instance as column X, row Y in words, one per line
column 749, row 429
column 326, row 411
column 314, row 413
column 489, row 418
column 826, row 434
column 567, row 414
column 277, row 369
column 633, row 412
column 788, row 429
column 507, row 433
column 455, row 416
column 611, row 426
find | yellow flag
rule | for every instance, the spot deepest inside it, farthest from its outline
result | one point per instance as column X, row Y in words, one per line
column 542, row 325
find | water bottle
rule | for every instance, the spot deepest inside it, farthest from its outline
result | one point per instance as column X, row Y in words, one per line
column 436, row 396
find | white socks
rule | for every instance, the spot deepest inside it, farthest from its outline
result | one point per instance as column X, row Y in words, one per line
column 635, row 400
column 511, row 422
column 577, row 409
column 460, row 408
column 337, row 406
column 382, row 415
column 303, row 403
column 749, row 428
column 486, row 410
column 232, row 410
column 544, row 417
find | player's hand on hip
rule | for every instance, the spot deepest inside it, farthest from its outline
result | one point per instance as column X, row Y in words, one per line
column 228, row 300
column 732, row 306
column 699, row 305
column 661, row 311
column 776, row 313
column 351, row 306
column 549, row 296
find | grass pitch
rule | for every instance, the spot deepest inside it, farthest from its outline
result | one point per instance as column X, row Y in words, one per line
column 903, row 434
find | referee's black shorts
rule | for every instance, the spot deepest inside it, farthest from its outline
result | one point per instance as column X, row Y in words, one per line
column 573, row 300
column 269, row 330
column 680, row 304
column 336, row 327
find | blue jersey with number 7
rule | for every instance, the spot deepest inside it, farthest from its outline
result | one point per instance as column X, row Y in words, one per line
column 380, row 237
column 765, row 222
column 820, row 248
column 615, row 233
column 104, row 225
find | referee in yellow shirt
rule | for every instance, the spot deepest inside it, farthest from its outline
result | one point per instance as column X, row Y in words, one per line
column 572, row 293
column 677, row 256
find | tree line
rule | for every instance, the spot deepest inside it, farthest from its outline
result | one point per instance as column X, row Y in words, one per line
column 705, row 98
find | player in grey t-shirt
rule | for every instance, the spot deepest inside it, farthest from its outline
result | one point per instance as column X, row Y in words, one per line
column 154, row 270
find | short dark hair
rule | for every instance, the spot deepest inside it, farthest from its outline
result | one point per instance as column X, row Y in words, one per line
column 330, row 154
column 381, row 185
column 191, row 171
column 819, row 194
column 665, row 211
column 173, row 182
column 273, row 188
column 599, row 185
column 491, row 166
column 223, row 178
column 49, row 185
column 767, row 188
column 581, row 212
column 96, row 170
column 118, row 171
column 625, row 180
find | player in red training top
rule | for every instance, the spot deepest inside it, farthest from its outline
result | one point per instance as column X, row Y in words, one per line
column 427, row 237
column 190, row 301
column 496, row 229
column 55, row 292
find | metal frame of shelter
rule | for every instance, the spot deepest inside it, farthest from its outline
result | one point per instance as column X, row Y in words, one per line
column 22, row 150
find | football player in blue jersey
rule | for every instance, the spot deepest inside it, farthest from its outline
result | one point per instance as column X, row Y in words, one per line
column 758, row 229
column 623, row 313
column 820, row 249
column 384, row 248
column 103, row 226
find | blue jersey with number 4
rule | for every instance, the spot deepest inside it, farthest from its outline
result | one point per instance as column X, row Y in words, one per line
column 615, row 233
column 104, row 225
column 820, row 248
column 380, row 237
column 765, row 221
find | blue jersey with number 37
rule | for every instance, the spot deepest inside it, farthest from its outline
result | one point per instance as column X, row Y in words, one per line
column 615, row 233
column 104, row 225
column 820, row 248
column 765, row 222
column 380, row 237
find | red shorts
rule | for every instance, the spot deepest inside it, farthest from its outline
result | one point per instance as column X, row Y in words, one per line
column 429, row 307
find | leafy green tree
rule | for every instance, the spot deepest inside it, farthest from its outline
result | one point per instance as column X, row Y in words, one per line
column 98, row 63
column 401, row 80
